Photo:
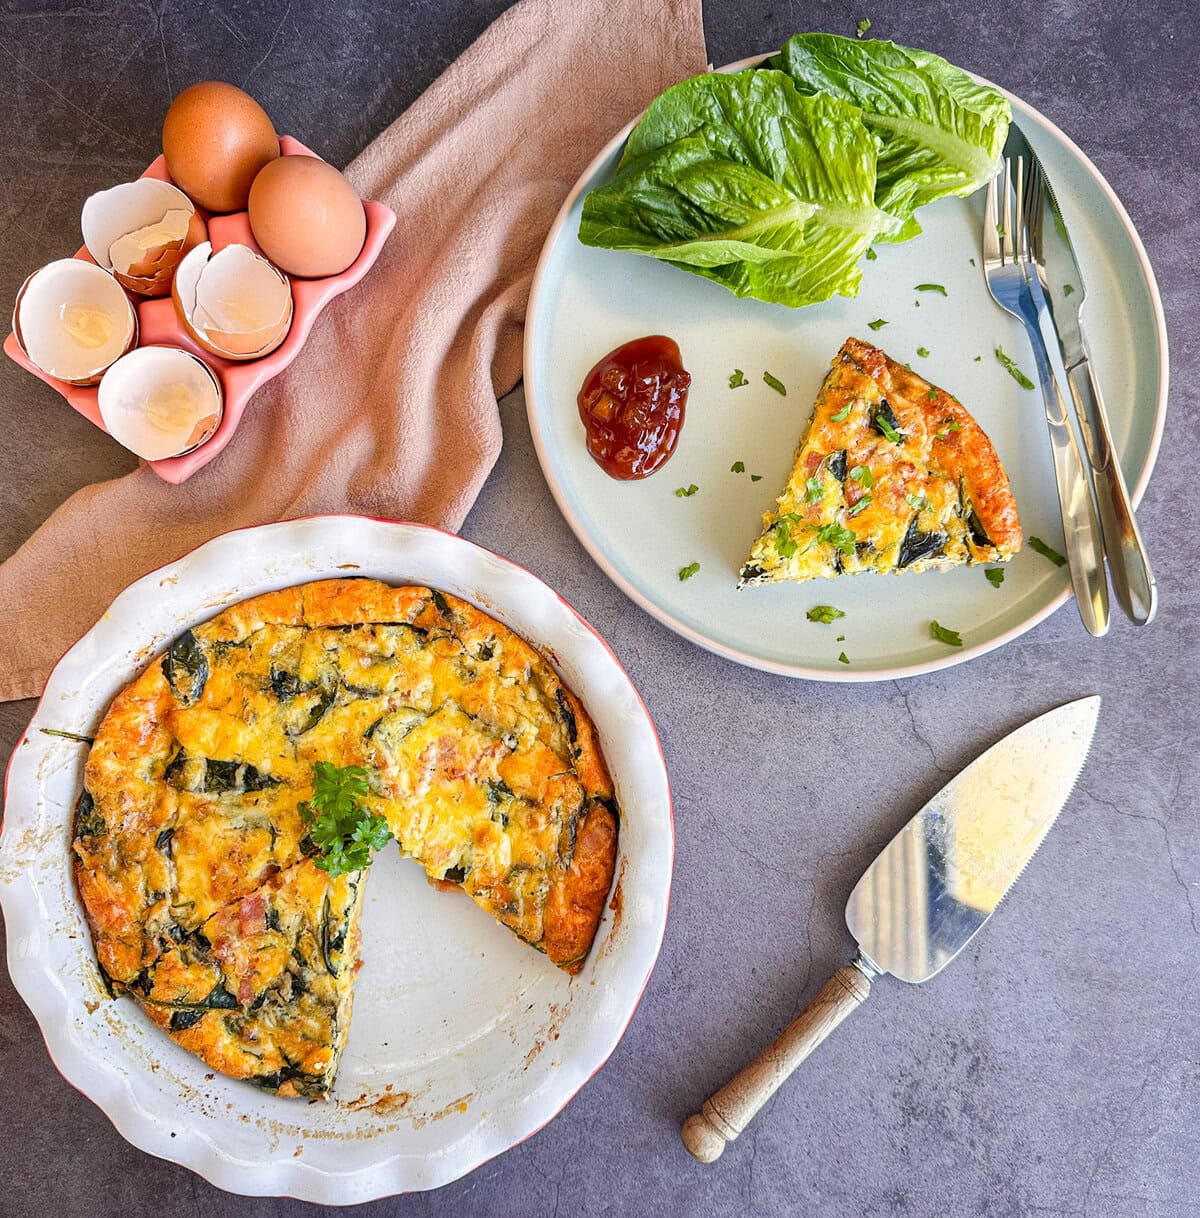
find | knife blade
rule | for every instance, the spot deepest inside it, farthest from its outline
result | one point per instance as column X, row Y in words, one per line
column 1065, row 292
column 928, row 893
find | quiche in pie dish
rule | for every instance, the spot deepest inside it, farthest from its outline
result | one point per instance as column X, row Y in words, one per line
column 192, row 847
column 892, row 474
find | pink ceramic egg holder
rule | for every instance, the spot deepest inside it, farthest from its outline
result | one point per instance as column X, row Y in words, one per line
column 158, row 324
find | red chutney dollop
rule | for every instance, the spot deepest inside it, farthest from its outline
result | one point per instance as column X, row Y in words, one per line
column 632, row 405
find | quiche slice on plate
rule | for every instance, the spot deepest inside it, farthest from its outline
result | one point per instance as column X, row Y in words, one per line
column 892, row 474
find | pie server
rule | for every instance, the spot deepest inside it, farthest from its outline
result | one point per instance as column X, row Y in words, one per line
column 925, row 896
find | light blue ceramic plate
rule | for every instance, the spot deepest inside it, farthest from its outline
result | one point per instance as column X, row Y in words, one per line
column 587, row 301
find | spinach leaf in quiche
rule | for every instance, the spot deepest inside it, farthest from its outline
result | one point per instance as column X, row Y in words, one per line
column 185, row 667
column 941, row 133
column 743, row 180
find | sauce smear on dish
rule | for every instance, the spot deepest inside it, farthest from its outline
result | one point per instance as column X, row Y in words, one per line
column 632, row 405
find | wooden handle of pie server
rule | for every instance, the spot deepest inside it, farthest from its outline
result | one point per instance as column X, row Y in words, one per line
column 726, row 1113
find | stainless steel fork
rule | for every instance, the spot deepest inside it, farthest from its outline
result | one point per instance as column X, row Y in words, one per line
column 1006, row 262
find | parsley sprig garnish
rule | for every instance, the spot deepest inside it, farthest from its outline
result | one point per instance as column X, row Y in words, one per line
column 342, row 828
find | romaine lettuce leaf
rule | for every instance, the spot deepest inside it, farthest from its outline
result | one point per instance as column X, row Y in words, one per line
column 743, row 180
column 940, row 133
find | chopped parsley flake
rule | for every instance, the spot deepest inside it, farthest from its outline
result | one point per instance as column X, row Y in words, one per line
column 862, row 476
column 825, row 614
column 814, row 488
column 871, row 254
column 862, row 27
column 738, row 467
column 917, row 502
column 972, row 261
column 932, row 287
column 686, row 492
column 886, row 428
column 944, row 634
column 1067, row 289
column 841, row 414
column 923, row 352
column 978, row 359
column 836, row 535
column 737, row 379
column 1036, row 543
column 775, row 384
column 995, row 576
column 1012, row 369
column 860, row 506
column 841, row 638
column 877, row 324
column 785, row 543
column 756, row 477
column 688, row 571
column 843, row 658
column 932, row 395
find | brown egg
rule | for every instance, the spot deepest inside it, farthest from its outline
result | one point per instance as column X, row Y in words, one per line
column 306, row 217
column 216, row 138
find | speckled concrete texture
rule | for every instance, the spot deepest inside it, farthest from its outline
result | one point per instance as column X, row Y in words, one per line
column 1054, row 1068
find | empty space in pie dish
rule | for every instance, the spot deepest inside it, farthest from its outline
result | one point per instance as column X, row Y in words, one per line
column 234, row 303
column 72, row 319
column 141, row 231
column 160, row 401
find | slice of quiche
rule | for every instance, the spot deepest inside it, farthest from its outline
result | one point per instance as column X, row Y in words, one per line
column 262, row 990
column 892, row 474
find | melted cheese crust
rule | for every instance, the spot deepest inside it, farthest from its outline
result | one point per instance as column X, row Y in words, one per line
column 893, row 474
column 192, row 856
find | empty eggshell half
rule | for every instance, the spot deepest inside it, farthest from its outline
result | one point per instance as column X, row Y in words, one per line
column 73, row 320
column 160, row 402
column 141, row 231
column 234, row 303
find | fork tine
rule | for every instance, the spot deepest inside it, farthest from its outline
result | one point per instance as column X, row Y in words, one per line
column 1020, row 228
column 1035, row 209
column 1006, row 243
column 991, row 238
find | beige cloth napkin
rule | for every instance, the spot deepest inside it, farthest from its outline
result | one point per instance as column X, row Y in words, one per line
column 390, row 409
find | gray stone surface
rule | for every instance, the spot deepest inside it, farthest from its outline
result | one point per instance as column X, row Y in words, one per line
column 1055, row 1068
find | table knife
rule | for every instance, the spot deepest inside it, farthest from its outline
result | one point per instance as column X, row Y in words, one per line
column 925, row 897
column 1061, row 279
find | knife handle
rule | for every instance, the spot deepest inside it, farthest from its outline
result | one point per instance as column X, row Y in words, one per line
column 728, row 1111
column 1128, row 562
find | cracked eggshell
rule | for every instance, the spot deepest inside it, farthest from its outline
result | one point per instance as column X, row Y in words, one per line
column 140, row 231
column 235, row 304
column 160, row 402
column 73, row 320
